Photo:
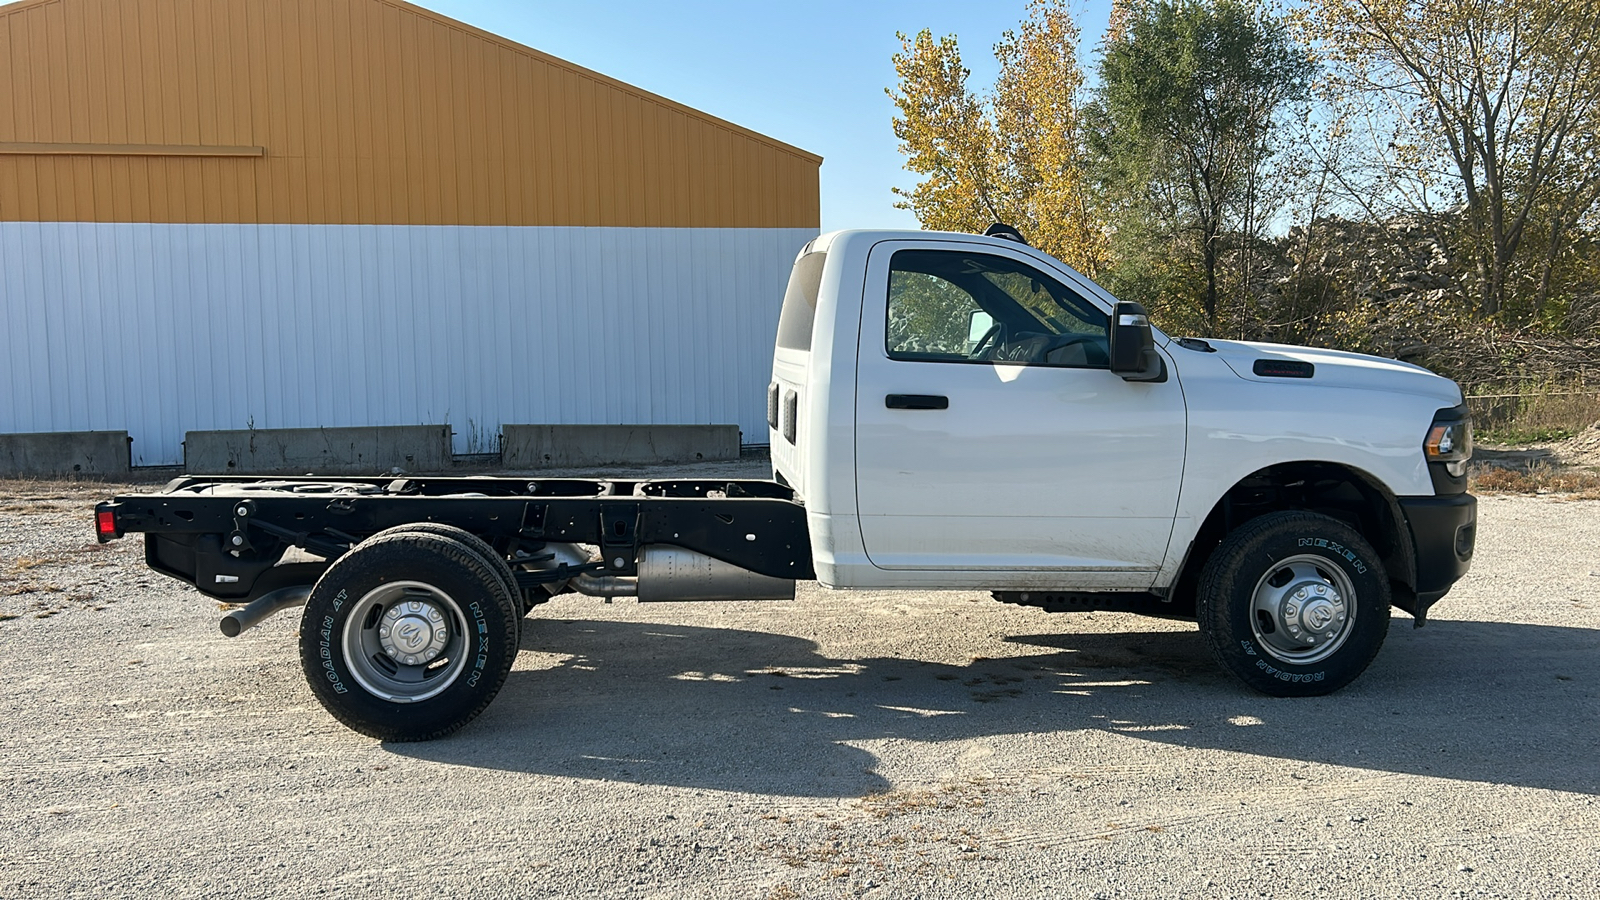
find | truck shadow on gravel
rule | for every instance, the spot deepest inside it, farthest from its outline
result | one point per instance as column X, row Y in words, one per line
column 737, row 710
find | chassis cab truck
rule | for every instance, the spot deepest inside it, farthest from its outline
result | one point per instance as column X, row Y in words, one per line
column 947, row 411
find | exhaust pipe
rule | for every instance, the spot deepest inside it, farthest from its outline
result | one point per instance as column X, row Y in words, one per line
column 606, row 586
column 241, row 620
column 563, row 555
column 668, row 574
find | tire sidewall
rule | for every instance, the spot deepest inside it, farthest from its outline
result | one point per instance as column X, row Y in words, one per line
column 490, row 636
column 1227, row 606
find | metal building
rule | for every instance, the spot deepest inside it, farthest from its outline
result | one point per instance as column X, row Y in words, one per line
column 223, row 214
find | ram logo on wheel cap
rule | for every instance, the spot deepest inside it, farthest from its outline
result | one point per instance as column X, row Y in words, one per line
column 413, row 633
column 412, row 636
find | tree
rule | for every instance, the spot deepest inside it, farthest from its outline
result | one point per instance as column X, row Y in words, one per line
column 1188, row 111
column 1488, row 108
column 1014, row 156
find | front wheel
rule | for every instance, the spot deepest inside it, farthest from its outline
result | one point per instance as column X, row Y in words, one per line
column 408, row 636
column 1295, row 604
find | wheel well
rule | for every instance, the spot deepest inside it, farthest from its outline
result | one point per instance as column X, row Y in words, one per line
column 1334, row 490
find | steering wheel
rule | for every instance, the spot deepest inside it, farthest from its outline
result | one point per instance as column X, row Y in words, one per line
column 991, row 341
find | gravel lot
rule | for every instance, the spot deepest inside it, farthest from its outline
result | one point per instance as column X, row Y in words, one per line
column 880, row 745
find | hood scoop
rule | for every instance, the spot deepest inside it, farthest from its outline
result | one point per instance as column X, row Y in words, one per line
column 1283, row 368
column 1266, row 363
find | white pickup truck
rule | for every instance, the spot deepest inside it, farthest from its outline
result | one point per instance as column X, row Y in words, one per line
column 947, row 411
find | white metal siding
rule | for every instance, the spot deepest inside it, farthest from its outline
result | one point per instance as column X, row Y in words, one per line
column 163, row 329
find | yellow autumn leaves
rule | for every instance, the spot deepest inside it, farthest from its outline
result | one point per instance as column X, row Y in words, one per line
column 1015, row 156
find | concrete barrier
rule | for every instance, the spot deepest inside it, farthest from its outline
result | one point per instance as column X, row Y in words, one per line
column 373, row 450
column 64, row 454
column 557, row 446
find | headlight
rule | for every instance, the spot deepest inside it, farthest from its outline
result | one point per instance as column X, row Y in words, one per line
column 1450, row 443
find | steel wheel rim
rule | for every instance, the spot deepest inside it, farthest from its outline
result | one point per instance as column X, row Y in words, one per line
column 405, row 641
column 1302, row 609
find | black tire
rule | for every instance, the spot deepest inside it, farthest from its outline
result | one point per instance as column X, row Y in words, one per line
column 453, row 606
column 477, row 544
column 1295, row 604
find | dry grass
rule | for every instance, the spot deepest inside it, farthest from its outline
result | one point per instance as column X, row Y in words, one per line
column 966, row 795
column 18, row 569
column 47, row 600
column 1537, row 414
column 21, row 494
column 1574, row 484
column 29, row 587
column 23, row 580
column 33, row 507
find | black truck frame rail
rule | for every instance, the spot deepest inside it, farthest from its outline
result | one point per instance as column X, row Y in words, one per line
column 229, row 535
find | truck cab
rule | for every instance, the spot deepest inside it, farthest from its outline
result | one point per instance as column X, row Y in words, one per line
column 950, row 410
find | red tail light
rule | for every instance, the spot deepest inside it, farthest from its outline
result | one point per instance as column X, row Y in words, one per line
column 105, row 523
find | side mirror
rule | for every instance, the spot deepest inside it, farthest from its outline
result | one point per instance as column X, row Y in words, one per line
column 978, row 325
column 1133, row 347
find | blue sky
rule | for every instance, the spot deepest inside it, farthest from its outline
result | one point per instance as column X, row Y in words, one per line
column 811, row 74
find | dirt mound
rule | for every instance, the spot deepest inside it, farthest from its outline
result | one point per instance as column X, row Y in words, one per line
column 1582, row 449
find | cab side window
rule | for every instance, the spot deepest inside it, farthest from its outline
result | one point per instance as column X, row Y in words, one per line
column 965, row 307
column 928, row 317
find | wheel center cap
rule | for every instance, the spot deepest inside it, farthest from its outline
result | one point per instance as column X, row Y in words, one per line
column 1318, row 615
column 413, row 633
column 1313, row 612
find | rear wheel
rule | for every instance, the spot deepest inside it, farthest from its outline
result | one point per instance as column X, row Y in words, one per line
column 1294, row 603
column 408, row 636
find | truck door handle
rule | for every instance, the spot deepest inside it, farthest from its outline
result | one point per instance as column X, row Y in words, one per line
column 916, row 401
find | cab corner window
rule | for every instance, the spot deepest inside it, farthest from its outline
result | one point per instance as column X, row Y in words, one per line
column 800, row 302
column 954, row 306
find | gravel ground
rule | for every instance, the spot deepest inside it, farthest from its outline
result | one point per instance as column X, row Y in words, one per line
column 845, row 744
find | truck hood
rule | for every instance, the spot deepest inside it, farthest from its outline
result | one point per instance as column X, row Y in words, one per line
column 1336, row 368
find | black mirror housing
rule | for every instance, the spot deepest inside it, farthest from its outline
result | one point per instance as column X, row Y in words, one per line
column 1133, row 346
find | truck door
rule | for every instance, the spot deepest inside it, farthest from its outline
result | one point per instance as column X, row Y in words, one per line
column 991, row 433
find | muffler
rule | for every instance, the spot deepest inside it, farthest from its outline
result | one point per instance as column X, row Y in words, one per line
column 668, row 574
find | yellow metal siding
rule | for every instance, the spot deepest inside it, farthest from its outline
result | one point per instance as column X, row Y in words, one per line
column 369, row 112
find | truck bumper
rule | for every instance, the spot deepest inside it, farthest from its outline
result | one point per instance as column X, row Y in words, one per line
column 1443, row 530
